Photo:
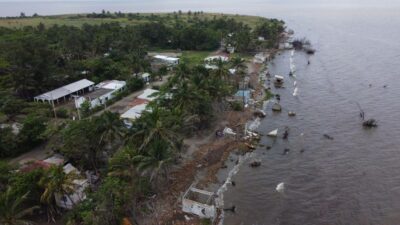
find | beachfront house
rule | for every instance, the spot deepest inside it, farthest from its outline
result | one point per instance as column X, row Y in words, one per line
column 200, row 203
column 103, row 92
column 64, row 93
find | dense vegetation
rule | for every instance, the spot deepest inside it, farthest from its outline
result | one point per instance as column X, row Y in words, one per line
column 132, row 163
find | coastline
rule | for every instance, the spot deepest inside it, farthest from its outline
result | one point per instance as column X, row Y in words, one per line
column 208, row 155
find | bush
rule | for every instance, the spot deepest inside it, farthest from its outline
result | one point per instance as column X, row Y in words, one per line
column 237, row 106
column 135, row 84
column 62, row 113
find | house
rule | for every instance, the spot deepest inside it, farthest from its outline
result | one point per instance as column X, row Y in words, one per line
column 138, row 106
column 199, row 202
column 146, row 77
column 68, row 201
column 63, row 200
column 215, row 58
column 148, row 94
column 65, row 92
column 167, row 60
column 134, row 113
column 103, row 92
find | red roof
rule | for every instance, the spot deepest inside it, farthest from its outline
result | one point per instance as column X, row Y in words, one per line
column 138, row 101
column 29, row 167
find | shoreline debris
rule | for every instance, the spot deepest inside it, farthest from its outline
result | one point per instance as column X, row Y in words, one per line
column 276, row 107
column 286, row 133
column 228, row 131
column 273, row 133
column 232, row 209
column 278, row 81
column 295, row 91
column 286, row 151
column 250, row 146
column 255, row 164
column 280, row 187
column 328, row 137
column 370, row 123
column 260, row 113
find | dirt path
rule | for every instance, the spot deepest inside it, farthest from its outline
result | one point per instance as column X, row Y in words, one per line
column 38, row 153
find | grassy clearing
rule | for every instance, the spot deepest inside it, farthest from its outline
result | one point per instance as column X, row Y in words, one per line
column 79, row 20
column 194, row 57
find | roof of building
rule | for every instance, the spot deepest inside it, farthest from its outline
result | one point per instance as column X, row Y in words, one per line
column 97, row 93
column 166, row 58
column 70, row 168
column 138, row 101
column 134, row 112
column 55, row 160
column 147, row 94
column 65, row 90
column 217, row 57
column 112, row 84
column 31, row 166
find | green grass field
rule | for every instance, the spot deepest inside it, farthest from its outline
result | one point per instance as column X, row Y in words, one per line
column 79, row 20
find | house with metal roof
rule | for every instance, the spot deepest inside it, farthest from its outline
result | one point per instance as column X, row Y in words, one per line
column 65, row 92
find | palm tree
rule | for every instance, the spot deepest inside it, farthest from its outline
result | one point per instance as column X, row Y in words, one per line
column 56, row 182
column 155, row 160
column 12, row 211
column 158, row 125
column 222, row 71
column 110, row 127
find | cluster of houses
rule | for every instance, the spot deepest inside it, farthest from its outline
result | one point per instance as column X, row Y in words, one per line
column 81, row 91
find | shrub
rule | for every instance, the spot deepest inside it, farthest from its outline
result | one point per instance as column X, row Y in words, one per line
column 62, row 113
column 237, row 106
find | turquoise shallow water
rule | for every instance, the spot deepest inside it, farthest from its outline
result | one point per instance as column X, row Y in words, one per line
column 353, row 179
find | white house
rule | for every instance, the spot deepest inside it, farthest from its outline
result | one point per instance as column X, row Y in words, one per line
column 166, row 59
column 68, row 201
column 103, row 92
column 216, row 58
column 146, row 77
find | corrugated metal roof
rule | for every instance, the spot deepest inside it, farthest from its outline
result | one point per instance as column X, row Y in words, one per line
column 112, row 84
column 134, row 112
column 147, row 93
column 65, row 90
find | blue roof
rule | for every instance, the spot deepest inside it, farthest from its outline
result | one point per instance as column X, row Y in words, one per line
column 245, row 94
